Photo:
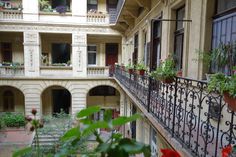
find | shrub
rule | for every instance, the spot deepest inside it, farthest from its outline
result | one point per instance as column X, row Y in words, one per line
column 12, row 120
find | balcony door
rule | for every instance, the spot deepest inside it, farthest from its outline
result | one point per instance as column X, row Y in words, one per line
column 111, row 55
column 6, row 52
column 156, row 44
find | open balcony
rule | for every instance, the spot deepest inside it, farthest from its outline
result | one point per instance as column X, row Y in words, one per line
column 12, row 54
column 11, row 10
column 200, row 121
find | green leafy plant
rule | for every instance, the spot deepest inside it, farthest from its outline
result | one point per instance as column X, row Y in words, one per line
column 205, row 57
column 45, row 5
column 129, row 66
column 115, row 146
column 10, row 119
column 166, row 71
column 141, row 66
column 222, row 83
column 73, row 142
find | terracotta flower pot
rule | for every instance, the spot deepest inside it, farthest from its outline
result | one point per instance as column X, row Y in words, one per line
column 180, row 73
column 123, row 68
column 141, row 72
column 231, row 101
column 168, row 80
column 130, row 71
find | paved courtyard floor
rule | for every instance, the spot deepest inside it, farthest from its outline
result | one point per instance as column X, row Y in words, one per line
column 13, row 139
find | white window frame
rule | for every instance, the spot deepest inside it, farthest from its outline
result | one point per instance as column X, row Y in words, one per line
column 92, row 52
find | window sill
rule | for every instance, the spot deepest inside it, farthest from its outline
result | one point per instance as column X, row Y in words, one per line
column 55, row 13
column 56, row 67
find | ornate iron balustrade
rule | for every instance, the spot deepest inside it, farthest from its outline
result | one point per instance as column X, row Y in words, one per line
column 199, row 120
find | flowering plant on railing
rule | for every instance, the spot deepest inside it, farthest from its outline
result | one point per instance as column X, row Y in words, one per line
column 229, row 151
column 165, row 72
column 226, row 86
column 169, row 153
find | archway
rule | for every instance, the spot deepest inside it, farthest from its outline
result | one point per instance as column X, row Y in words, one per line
column 56, row 99
column 106, row 97
column 11, row 99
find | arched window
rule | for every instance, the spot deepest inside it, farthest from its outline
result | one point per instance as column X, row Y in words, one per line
column 8, row 101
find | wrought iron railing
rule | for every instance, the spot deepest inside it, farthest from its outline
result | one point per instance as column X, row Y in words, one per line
column 199, row 120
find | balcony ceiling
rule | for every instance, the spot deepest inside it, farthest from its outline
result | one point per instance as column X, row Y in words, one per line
column 129, row 12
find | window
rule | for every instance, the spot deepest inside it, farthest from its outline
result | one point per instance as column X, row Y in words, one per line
column 156, row 44
column 8, row 101
column 225, row 5
column 60, row 52
column 224, row 32
column 92, row 5
column 56, row 3
column 92, row 55
column 6, row 52
column 135, row 53
column 179, row 38
column 145, row 52
column 102, row 91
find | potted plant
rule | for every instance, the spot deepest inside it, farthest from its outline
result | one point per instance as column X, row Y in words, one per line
column 61, row 9
column 222, row 56
column 226, row 86
column 1, row 5
column 141, row 68
column 165, row 72
column 205, row 57
column 130, row 68
column 234, row 70
column 44, row 5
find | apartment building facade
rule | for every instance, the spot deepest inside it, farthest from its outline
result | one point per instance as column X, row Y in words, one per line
column 56, row 58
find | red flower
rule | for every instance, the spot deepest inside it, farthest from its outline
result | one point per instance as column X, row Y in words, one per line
column 34, row 111
column 226, row 151
column 31, row 128
column 169, row 153
column 28, row 118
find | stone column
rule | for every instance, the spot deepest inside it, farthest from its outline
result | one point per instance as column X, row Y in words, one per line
column 30, row 10
column 79, row 54
column 32, row 101
column 31, row 53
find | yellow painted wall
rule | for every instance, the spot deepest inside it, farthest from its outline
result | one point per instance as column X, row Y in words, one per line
column 18, row 99
column 197, row 34
column 104, row 101
column 101, row 41
column 17, row 45
column 102, row 6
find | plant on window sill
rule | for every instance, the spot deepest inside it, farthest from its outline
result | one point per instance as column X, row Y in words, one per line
column 61, row 9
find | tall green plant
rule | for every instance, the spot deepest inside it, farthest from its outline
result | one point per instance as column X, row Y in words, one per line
column 115, row 146
column 73, row 141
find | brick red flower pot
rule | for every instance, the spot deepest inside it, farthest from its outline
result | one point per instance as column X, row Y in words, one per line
column 141, row 72
column 168, row 80
column 123, row 68
column 231, row 101
column 130, row 71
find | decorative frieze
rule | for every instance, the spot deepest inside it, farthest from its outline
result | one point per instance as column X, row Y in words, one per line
column 58, row 29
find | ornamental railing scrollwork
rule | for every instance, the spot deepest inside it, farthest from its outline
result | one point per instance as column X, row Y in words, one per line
column 199, row 120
